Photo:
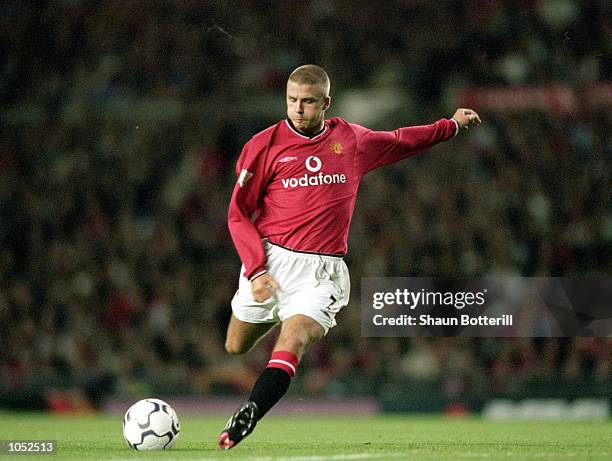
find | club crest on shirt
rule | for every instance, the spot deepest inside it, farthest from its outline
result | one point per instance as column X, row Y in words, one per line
column 336, row 147
column 244, row 177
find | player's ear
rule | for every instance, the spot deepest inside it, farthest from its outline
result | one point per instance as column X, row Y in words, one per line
column 327, row 102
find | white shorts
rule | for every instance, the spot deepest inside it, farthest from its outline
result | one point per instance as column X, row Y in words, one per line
column 314, row 285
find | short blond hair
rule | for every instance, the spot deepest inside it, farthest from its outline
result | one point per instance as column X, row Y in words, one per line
column 311, row 74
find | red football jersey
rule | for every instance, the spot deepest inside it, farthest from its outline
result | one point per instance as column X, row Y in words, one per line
column 299, row 192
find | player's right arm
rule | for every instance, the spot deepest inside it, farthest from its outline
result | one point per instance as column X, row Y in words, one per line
column 253, row 175
column 263, row 287
column 252, row 178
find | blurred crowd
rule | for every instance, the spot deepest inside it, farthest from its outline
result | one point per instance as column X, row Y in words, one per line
column 121, row 125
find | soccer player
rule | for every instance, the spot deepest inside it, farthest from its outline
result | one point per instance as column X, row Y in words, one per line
column 289, row 218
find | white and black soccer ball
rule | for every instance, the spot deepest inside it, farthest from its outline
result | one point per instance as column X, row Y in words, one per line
column 150, row 424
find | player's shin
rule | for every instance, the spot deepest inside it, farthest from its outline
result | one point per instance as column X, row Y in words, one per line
column 273, row 383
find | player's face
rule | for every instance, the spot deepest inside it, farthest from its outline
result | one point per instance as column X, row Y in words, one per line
column 306, row 106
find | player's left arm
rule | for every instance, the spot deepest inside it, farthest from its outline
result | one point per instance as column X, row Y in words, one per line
column 465, row 118
column 379, row 148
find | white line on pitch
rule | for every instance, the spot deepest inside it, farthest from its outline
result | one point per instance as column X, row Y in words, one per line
column 347, row 457
column 366, row 456
column 332, row 457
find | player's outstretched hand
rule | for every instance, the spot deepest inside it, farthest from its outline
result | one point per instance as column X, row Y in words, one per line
column 466, row 117
column 263, row 287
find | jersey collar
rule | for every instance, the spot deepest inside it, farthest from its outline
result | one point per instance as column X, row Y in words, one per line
column 315, row 136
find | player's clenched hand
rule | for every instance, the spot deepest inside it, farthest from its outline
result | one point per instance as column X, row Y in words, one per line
column 263, row 287
column 466, row 117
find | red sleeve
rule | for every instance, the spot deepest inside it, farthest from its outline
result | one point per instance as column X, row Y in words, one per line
column 379, row 148
column 252, row 179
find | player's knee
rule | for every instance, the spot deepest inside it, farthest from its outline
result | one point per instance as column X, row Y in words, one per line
column 298, row 337
column 311, row 336
column 297, row 344
column 235, row 347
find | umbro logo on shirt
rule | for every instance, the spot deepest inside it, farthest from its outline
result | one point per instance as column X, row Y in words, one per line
column 313, row 164
column 287, row 159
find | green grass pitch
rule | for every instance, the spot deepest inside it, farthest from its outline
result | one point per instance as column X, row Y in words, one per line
column 324, row 438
